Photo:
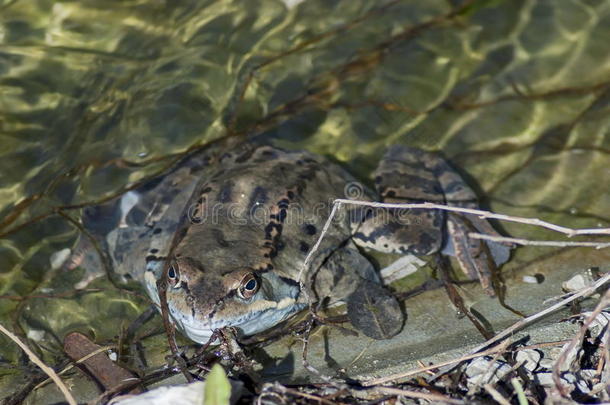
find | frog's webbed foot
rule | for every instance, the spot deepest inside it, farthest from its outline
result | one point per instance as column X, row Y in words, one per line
column 374, row 311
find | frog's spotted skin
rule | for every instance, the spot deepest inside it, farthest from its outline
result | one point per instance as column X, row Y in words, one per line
column 243, row 221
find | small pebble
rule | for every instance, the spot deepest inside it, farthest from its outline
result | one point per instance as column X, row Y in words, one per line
column 535, row 279
column 35, row 334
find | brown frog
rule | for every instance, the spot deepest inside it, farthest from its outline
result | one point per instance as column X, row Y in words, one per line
column 236, row 222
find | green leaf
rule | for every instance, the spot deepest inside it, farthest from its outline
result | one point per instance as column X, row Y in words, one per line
column 217, row 390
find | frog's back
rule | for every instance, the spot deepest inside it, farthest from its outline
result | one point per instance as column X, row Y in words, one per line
column 263, row 208
column 243, row 205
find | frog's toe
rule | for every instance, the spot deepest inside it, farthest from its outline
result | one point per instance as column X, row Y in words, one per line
column 374, row 311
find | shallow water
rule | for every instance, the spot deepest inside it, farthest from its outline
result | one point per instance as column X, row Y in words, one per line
column 95, row 95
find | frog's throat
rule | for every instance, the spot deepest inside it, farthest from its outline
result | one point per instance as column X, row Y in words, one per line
column 262, row 314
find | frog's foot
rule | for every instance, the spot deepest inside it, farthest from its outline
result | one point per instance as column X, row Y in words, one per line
column 85, row 256
column 374, row 311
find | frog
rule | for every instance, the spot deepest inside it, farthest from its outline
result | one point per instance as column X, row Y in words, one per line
column 231, row 228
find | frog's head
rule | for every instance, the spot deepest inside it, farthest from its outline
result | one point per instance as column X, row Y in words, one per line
column 202, row 299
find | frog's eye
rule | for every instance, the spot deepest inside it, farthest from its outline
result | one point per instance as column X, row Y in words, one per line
column 248, row 286
column 172, row 274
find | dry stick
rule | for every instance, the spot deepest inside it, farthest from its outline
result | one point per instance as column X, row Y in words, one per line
column 483, row 214
column 48, row 370
column 419, row 395
column 603, row 303
column 315, row 398
column 528, row 242
column 585, row 292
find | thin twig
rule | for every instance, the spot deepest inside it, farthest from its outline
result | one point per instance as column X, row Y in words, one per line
column 528, row 242
column 483, row 214
column 296, row 393
column 420, row 395
column 48, row 370
column 603, row 303
column 333, row 211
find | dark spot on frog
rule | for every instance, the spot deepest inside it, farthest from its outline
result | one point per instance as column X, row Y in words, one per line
column 269, row 154
column 224, row 196
column 151, row 258
column 390, row 194
column 426, row 244
column 169, row 197
column 289, row 281
column 193, row 170
column 136, row 216
column 310, row 229
column 220, row 238
column 270, row 228
column 258, row 197
column 281, row 216
column 245, row 156
column 206, row 190
column 304, row 247
column 290, row 194
column 154, row 251
column 157, row 231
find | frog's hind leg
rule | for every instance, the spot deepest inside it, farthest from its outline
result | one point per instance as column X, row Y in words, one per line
column 477, row 258
column 402, row 178
column 410, row 175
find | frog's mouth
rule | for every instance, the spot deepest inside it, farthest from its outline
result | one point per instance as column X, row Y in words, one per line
column 262, row 315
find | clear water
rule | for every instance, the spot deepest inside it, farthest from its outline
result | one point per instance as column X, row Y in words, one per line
column 95, row 95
